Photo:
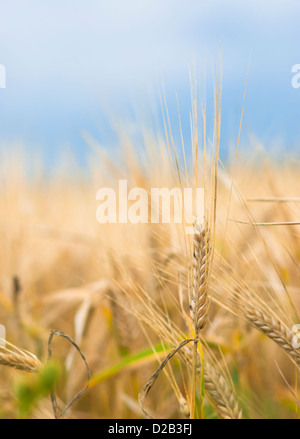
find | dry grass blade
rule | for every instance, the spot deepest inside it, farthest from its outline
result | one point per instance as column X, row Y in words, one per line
column 150, row 383
column 274, row 199
column 274, row 223
column 58, row 414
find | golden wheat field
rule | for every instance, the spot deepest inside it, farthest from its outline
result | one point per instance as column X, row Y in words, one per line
column 151, row 321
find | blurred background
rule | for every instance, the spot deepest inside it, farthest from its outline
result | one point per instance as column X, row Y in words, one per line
column 76, row 67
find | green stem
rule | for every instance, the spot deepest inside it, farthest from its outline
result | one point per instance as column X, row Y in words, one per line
column 202, row 414
column 194, row 379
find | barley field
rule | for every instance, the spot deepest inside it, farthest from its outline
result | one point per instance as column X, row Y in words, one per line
column 141, row 320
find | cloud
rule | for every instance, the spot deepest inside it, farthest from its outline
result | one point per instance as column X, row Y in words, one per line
column 61, row 58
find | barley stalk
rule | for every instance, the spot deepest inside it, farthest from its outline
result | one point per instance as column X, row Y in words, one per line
column 199, row 302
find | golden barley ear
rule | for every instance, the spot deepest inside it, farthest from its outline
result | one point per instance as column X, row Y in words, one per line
column 201, row 265
column 16, row 358
column 218, row 387
column 273, row 328
column 221, row 393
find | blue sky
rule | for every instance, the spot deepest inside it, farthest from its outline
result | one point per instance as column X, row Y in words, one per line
column 72, row 65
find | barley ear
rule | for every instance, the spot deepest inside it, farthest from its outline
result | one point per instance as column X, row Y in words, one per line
column 16, row 358
column 201, row 264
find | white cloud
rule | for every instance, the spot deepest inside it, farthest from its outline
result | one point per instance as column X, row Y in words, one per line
column 118, row 41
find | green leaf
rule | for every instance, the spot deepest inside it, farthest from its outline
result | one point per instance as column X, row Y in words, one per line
column 128, row 362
